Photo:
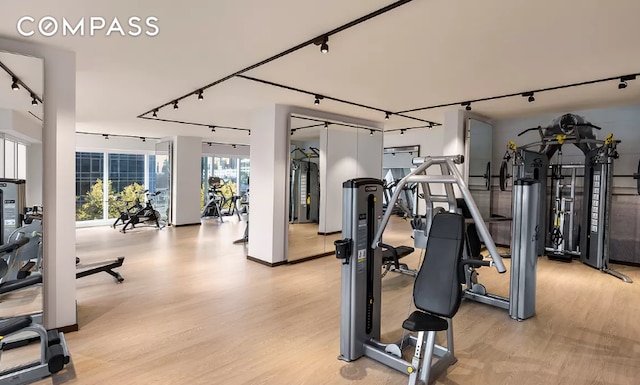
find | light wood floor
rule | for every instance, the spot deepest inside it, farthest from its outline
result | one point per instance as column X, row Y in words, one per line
column 304, row 241
column 193, row 310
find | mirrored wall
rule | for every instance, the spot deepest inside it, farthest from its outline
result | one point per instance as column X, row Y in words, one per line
column 21, row 212
column 324, row 154
column 478, row 153
column 397, row 162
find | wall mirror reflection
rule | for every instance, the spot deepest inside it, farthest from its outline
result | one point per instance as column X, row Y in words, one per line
column 323, row 154
column 478, row 153
column 396, row 164
column 21, row 122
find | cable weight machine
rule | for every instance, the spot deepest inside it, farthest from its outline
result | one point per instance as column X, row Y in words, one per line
column 567, row 234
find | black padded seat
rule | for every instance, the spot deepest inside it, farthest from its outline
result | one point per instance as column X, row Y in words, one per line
column 12, row 325
column 419, row 321
column 437, row 291
column 403, row 251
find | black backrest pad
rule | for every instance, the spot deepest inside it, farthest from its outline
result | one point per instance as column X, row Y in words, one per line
column 437, row 287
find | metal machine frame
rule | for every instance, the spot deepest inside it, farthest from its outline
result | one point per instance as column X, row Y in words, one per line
column 525, row 262
column 361, row 252
column 597, row 196
column 305, row 187
column 54, row 354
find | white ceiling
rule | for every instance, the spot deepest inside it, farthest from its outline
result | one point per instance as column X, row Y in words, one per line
column 424, row 53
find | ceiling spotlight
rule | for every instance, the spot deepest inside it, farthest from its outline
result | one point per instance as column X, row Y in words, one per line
column 386, row 116
column 326, row 125
column 318, row 99
column 175, row 104
column 106, row 136
column 200, row 95
column 431, row 126
column 401, row 132
column 213, row 128
column 209, row 144
column 467, row 105
column 293, row 130
column 34, row 100
column 393, row 153
column 155, row 113
column 623, row 81
column 322, row 42
column 233, row 145
column 249, row 132
column 370, row 132
column 143, row 138
column 529, row 96
column 14, row 84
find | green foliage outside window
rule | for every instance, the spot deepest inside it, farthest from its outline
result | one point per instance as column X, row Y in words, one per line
column 93, row 205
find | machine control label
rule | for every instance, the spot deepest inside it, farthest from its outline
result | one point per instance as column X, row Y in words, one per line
column 370, row 188
column 303, row 190
column 361, row 257
column 595, row 202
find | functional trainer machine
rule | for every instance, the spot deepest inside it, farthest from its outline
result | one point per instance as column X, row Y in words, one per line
column 441, row 273
column 305, row 187
column 595, row 224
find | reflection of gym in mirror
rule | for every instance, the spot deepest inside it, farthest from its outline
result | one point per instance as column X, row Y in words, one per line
column 396, row 164
column 478, row 153
column 21, row 215
column 21, row 114
column 322, row 155
column 305, row 236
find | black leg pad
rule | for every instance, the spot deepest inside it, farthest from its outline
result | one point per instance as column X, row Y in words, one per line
column 55, row 358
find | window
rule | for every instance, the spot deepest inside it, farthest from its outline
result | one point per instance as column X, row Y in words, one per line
column 101, row 177
column 13, row 159
column 9, row 159
column 234, row 170
column 21, row 161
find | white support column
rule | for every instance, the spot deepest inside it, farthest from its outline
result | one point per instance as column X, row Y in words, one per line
column 187, row 153
column 269, row 167
column 59, row 288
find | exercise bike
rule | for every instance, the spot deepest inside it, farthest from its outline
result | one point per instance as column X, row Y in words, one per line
column 146, row 214
column 218, row 203
column 125, row 211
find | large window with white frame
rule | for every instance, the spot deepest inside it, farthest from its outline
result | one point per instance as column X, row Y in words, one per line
column 14, row 159
column 107, row 181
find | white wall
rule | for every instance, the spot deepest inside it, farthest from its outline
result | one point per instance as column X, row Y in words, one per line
column 85, row 142
column 26, row 128
column 225, row 150
column 431, row 141
column 185, row 200
column 338, row 163
column 59, row 288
